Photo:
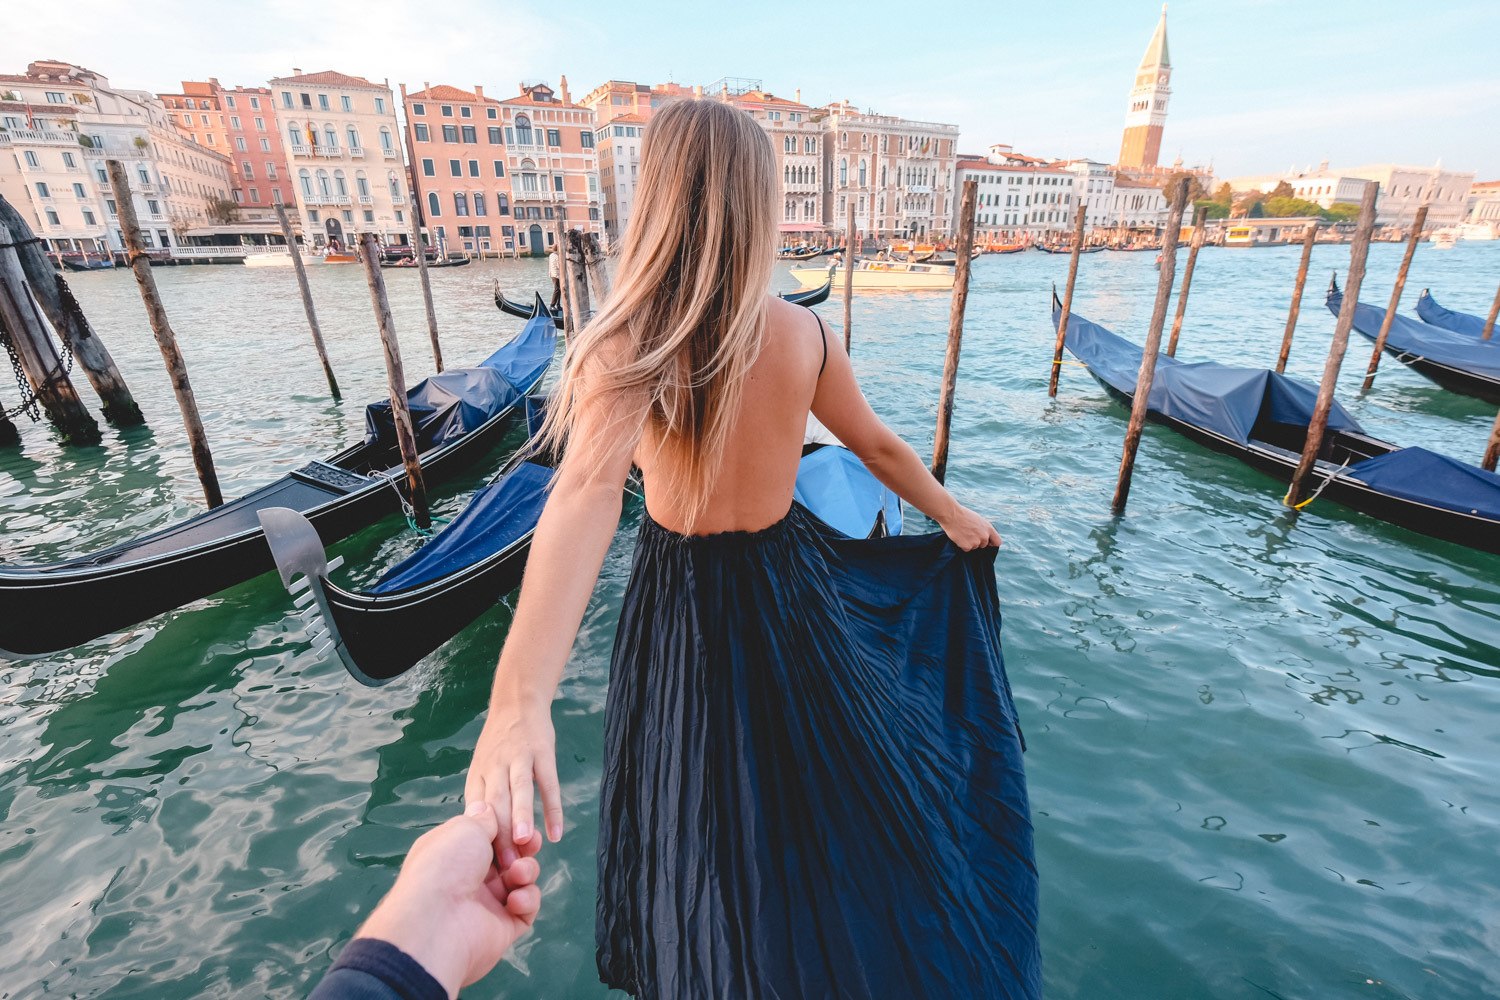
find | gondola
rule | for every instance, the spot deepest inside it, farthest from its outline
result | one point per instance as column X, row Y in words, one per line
column 1455, row 361
column 100, row 264
column 1261, row 418
column 423, row 601
column 411, row 262
column 458, row 417
column 1066, row 250
column 807, row 254
column 1456, row 322
column 808, row 297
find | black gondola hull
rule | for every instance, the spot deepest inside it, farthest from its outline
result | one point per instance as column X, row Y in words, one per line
column 43, row 610
column 1468, row 530
column 1457, row 380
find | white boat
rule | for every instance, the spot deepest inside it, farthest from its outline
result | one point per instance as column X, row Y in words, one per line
column 891, row 274
column 268, row 260
column 1477, row 231
column 1444, row 239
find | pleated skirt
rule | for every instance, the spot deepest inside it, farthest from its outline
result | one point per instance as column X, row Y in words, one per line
column 813, row 783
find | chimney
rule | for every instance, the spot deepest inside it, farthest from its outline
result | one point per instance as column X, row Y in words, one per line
column 564, row 89
column 697, row 90
column 296, row 70
column 478, row 91
column 799, row 95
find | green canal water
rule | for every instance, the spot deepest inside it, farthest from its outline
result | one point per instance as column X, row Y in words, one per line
column 1264, row 757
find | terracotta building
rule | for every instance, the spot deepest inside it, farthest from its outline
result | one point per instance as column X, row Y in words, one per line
column 797, row 137
column 240, row 123
column 621, row 110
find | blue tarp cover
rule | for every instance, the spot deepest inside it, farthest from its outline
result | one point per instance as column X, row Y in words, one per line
column 498, row 515
column 1410, row 336
column 1457, row 322
column 455, row 402
column 1427, row 477
column 1219, row 398
column 836, row 486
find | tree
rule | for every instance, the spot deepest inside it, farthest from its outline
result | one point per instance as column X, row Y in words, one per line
column 1225, row 194
column 223, row 210
column 1282, row 190
column 1257, row 210
column 1286, row 207
column 1342, row 212
column 1212, row 208
column 1196, row 189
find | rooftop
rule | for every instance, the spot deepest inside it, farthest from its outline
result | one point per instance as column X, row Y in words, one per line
column 328, row 78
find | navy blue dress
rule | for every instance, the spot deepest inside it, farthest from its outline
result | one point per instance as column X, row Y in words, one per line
column 813, row 783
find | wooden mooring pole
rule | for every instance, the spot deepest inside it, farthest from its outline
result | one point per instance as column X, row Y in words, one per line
column 1308, row 239
column 26, row 337
column 960, row 301
column 420, row 249
column 1492, row 449
column 594, row 263
column 1390, row 310
column 1152, row 348
column 66, row 316
column 560, row 245
column 1187, row 283
column 1489, row 324
column 575, row 259
column 1067, row 305
column 1359, row 250
column 307, row 299
column 166, row 339
column 849, row 256
column 406, row 439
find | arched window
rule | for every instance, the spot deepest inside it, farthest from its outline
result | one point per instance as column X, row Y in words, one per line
column 460, row 203
column 339, row 186
column 434, row 206
column 843, row 173
column 331, row 136
column 523, row 130
column 323, row 187
column 502, row 204
column 294, row 132
column 861, row 173
column 304, row 177
column 361, row 185
column 385, row 137
column 353, row 135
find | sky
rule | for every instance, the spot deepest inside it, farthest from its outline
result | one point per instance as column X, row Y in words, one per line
column 1258, row 86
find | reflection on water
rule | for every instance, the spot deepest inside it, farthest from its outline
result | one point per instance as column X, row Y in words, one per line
column 1262, row 748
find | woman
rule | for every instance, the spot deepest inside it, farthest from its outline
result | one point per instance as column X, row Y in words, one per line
column 812, row 783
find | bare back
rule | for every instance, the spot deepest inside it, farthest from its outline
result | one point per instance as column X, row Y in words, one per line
column 753, row 488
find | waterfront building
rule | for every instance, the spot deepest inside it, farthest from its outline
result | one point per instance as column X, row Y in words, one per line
column 797, row 134
column 1137, row 204
column 343, row 153
column 60, row 122
column 456, row 142
column 1483, row 215
column 898, row 173
column 621, row 110
column 240, row 123
column 549, row 153
column 1402, row 190
column 1094, row 184
column 1146, row 113
column 1020, row 197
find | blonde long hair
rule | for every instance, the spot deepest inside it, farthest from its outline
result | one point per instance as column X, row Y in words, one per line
column 685, row 319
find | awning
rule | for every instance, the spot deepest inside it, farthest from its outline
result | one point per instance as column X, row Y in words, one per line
column 802, row 227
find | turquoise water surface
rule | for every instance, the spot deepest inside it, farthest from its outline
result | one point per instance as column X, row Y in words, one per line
column 1264, row 757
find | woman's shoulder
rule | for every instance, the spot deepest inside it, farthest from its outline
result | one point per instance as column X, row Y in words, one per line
column 796, row 331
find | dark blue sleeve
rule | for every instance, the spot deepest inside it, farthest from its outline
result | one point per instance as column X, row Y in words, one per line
column 377, row 970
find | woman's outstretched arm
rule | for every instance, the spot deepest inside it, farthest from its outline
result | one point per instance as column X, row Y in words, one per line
column 517, row 745
column 843, row 409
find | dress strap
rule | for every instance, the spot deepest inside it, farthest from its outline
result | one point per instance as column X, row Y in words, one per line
column 822, row 335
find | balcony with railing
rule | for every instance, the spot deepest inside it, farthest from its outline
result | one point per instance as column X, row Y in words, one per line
column 388, row 153
column 329, row 152
column 398, row 199
column 36, row 137
column 358, row 151
column 365, row 199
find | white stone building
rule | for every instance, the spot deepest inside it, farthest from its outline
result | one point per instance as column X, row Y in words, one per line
column 1137, row 204
column 1020, row 197
column 61, row 122
column 1094, row 185
column 1402, row 190
column 898, row 174
column 343, row 151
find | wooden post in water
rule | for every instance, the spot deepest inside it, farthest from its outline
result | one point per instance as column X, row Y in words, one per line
column 1149, row 353
column 578, row 288
column 161, row 328
column 595, row 263
column 307, row 299
column 1067, row 305
column 406, row 439
column 1187, row 283
column 849, row 279
column 1390, row 310
column 1359, row 250
column 1308, row 239
column 560, row 245
column 27, row 338
column 421, row 251
column 8, row 432
column 66, row 316
column 1489, row 324
column 961, row 269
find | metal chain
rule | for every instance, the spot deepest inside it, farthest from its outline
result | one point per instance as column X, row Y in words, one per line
column 28, row 398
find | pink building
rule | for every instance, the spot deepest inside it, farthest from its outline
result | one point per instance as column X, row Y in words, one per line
column 240, row 123
column 549, row 144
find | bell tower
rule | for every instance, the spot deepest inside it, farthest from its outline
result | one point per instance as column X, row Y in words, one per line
column 1146, row 113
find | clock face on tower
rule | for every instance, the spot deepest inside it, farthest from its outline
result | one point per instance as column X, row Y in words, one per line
column 1162, row 79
